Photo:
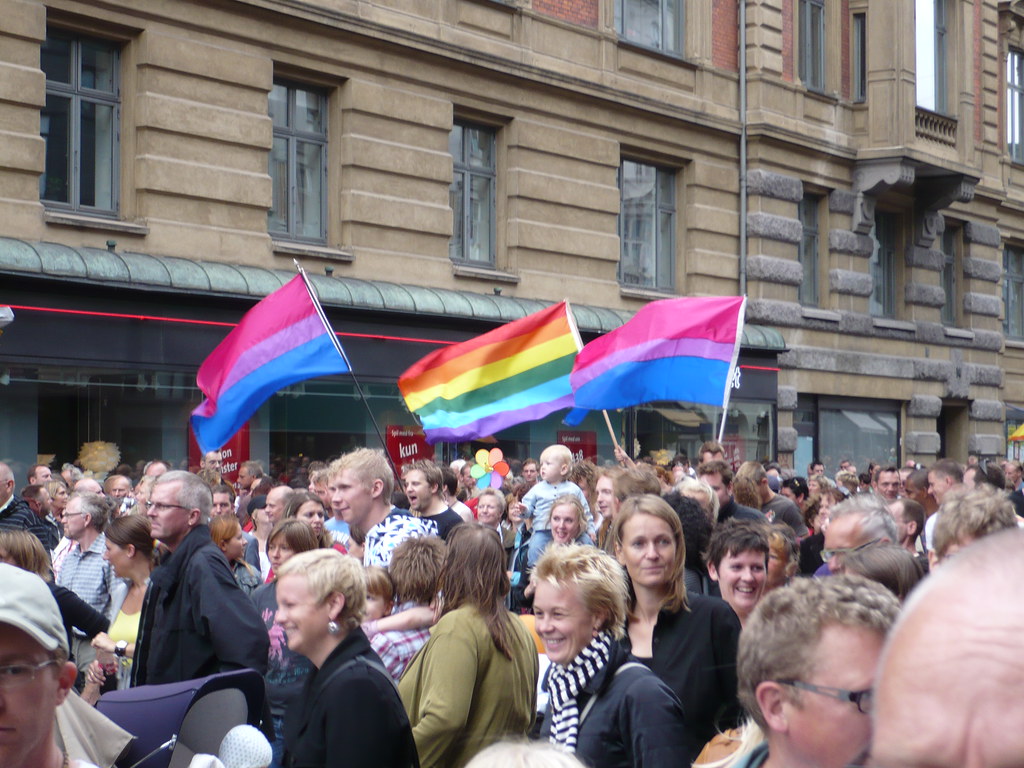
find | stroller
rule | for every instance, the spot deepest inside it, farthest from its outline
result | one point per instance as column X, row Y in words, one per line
column 174, row 722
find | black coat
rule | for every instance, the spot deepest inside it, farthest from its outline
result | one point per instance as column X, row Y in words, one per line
column 635, row 720
column 196, row 621
column 19, row 516
column 695, row 654
column 351, row 717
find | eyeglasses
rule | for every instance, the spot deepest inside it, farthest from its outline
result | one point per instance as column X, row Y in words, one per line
column 17, row 675
column 157, row 507
column 862, row 699
column 828, row 554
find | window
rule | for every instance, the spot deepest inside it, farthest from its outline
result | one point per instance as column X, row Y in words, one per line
column 808, row 251
column 298, row 163
column 656, row 24
column 812, row 44
column 932, row 54
column 948, row 277
column 646, row 226
column 1013, row 292
column 882, row 302
column 1015, row 105
column 79, row 123
column 860, row 57
column 471, row 195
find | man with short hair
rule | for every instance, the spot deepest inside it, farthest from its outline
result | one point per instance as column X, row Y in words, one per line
column 38, row 500
column 909, row 518
column 816, row 467
column 948, row 688
column 967, row 515
column 775, row 507
column 211, row 461
column 15, row 514
column 277, row 501
column 360, row 484
column 531, row 471
column 944, row 475
column 36, row 676
column 119, row 488
column 805, row 668
column 423, row 487
column 860, row 521
column 249, row 475
column 86, row 571
column 886, row 483
column 195, row 621
column 39, row 474
column 155, row 468
column 718, row 475
column 449, row 493
column 711, row 450
column 88, row 485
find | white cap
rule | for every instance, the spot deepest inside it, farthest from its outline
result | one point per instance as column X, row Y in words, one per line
column 27, row 603
column 245, row 747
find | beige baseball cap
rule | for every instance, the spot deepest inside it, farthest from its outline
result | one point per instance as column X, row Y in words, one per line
column 27, row 604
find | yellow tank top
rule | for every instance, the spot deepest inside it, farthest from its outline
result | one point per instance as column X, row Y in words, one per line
column 125, row 627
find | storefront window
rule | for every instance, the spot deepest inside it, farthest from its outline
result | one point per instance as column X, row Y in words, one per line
column 859, row 430
column 663, row 430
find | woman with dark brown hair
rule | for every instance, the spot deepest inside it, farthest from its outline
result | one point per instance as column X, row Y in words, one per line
column 475, row 681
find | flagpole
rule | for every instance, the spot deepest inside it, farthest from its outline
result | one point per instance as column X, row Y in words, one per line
column 579, row 345
column 341, row 351
column 732, row 367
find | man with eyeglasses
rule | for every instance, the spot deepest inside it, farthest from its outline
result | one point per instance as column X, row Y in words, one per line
column 806, row 664
column 861, row 520
column 948, row 690
column 35, row 674
column 195, row 619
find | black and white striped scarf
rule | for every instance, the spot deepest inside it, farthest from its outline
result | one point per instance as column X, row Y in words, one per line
column 565, row 684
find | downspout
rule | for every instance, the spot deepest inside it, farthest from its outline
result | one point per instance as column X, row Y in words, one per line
column 743, row 144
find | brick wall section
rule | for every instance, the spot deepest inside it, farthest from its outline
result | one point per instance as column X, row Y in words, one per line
column 844, row 48
column 582, row 12
column 976, row 60
column 787, row 40
column 725, row 34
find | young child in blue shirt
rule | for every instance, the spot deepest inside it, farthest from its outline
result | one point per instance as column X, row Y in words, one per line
column 555, row 462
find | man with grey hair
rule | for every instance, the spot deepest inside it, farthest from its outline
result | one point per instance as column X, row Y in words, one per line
column 86, row 571
column 805, row 668
column 195, row 619
column 860, row 521
column 948, row 689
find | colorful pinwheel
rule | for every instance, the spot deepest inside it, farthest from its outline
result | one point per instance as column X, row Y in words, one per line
column 490, row 468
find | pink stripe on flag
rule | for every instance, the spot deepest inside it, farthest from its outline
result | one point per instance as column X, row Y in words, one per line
column 653, row 349
column 272, row 347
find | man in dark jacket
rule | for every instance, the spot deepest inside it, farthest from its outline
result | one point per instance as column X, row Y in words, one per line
column 15, row 513
column 195, row 619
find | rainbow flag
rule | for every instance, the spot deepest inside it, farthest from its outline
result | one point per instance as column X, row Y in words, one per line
column 518, row 372
column 282, row 340
column 675, row 349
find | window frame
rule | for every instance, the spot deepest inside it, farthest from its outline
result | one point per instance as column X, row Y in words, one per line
column 664, row 6
column 882, row 301
column 461, row 167
column 933, row 52
column 76, row 94
column 293, row 136
column 859, row 57
column 811, row 60
column 1015, row 104
column 809, row 250
column 659, row 283
column 1013, row 282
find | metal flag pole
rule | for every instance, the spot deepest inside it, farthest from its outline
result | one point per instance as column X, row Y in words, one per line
column 732, row 367
column 351, row 371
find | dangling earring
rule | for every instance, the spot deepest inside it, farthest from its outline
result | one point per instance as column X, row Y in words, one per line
column 332, row 627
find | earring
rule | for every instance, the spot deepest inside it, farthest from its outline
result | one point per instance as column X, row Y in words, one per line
column 332, row 627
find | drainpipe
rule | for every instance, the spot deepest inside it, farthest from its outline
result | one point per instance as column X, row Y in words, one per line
column 743, row 145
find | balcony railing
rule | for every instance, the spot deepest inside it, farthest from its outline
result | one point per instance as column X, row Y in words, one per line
column 935, row 127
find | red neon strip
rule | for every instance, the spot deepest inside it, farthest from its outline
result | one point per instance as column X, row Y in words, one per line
column 121, row 315
column 759, row 368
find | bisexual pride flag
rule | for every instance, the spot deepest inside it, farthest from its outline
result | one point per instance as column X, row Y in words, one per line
column 675, row 349
column 282, row 340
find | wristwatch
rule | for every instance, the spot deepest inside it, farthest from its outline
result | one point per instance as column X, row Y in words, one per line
column 120, row 648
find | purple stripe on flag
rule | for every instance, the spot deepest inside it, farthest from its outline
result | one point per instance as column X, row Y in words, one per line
column 498, row 421
column 653, row 350
column 275, row 345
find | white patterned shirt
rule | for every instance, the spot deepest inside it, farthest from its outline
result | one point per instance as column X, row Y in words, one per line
column 398, row 526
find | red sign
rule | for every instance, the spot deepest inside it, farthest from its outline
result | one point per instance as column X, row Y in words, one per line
column 406, row 445
column 235, row 451
column 582, row 445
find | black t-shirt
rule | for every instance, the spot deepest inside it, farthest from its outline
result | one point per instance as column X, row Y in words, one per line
column 445, row 521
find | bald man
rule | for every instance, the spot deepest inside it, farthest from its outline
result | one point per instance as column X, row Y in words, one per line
column 948, row 692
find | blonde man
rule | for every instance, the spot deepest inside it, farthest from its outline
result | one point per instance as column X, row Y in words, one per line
column 968, row 515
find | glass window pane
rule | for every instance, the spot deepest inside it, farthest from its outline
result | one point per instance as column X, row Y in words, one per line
column 279, row 105
column 55, row 59
column 97, row 156
column 99, row 67
column 455, row 198
column 309, row 112
column 455, row 143
column 55, row 125
column 479, row 219
column 309, row 190
column 479, row 148
column 637, row 224
column 278, row 216
column 666, row 249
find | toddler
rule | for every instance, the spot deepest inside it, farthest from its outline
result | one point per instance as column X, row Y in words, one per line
column 555, row 463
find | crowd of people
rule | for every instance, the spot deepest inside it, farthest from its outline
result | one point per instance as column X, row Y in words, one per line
column 623, row 614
